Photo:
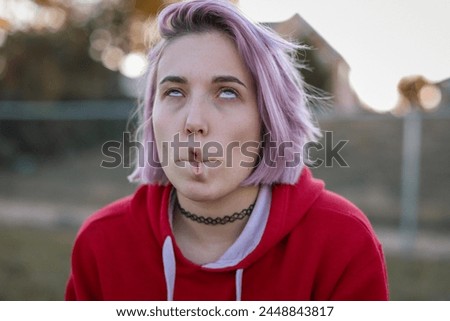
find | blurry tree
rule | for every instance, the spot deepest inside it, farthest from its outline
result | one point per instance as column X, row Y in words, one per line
column 417, row 92
column 54, row 67
column 61, row 50
column 64, row 50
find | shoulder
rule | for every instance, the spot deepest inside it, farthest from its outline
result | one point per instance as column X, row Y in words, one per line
column 332, row 206
column 337, row 235
column 123, row 217
column 113, row 215
column 112, row 211
column 348, row 243
column 108, row 217
column 308, row 201
column 341, row 221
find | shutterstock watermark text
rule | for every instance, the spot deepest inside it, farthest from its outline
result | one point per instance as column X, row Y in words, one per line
column 214, row 153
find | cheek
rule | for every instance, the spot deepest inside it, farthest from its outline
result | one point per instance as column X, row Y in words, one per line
column 162, row 133
column 162, row 123
column 245, row 130
column 251, row 143
column 243, row 146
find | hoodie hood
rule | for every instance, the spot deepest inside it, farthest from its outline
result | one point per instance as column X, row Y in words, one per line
column 273, row 223
column 313, row 245
column 290, row 204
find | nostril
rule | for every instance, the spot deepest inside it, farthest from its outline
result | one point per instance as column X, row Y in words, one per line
column 194, row 131
column 192, row 127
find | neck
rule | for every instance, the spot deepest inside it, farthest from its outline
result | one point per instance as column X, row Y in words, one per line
column 220, row 237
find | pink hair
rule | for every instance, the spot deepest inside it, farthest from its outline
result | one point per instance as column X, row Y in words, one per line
column 281, row 96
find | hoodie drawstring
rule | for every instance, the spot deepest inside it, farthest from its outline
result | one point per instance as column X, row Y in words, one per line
column 239, row 273
column 169, row 267
column 169, row 264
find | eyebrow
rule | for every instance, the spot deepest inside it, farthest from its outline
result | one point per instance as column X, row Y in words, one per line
column 177, row 79
column 220, row 79
column 217, row 79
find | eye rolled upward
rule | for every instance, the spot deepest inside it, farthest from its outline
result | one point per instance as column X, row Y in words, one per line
column 224, row 93
column 173, row 92
column 228, row 93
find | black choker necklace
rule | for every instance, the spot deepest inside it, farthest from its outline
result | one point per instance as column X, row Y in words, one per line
column 217, row 220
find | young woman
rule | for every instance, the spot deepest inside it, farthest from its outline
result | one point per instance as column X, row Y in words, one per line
column 226, row 209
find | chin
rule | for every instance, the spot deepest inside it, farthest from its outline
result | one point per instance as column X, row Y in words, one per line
column 208, row 187
column 197, row 193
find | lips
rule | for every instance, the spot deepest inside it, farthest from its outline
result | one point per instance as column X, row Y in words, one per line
column 196, row 160
column 211, row 163
column 195, row 155
column 195, row 164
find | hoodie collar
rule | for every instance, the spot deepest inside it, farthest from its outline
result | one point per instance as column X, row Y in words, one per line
column 287, row 205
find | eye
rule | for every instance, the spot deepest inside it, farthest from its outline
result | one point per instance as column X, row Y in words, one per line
column 228, row 93
column 173, row 93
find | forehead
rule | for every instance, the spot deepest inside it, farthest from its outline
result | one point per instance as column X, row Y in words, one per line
column 202, row 54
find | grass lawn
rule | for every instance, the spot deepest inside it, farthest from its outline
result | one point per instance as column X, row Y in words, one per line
column 34, row 265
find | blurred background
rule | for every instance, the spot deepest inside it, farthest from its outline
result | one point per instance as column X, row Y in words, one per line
column 71, row 72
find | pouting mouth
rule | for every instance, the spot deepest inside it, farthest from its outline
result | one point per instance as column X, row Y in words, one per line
column 194, row 163
column 195, row 157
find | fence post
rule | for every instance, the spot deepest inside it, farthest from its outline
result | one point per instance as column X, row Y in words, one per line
column 412, row 136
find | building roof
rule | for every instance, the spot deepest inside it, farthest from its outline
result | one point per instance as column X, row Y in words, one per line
column 297, row 28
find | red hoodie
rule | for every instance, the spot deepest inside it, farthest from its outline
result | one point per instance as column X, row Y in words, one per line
column 316, row 246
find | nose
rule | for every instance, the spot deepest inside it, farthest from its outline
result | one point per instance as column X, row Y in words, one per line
column 196, row 122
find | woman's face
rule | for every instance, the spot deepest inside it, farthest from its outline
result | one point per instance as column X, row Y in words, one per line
column 205, row 116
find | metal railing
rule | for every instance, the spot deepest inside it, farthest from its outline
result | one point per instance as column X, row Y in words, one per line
column 67, row 110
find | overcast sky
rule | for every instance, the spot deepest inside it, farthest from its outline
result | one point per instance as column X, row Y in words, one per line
column 382, row 40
